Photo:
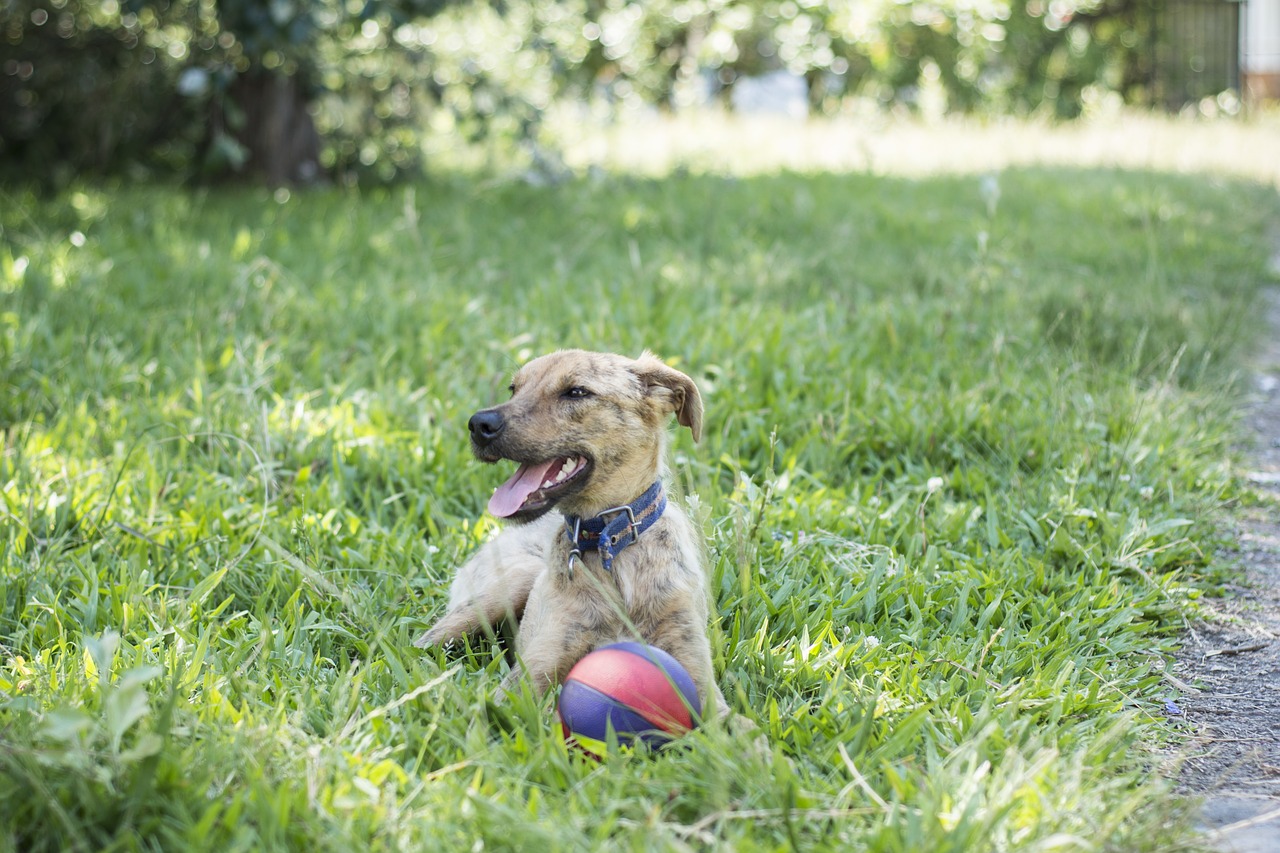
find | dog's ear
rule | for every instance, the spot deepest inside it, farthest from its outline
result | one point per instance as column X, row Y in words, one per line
column 677, row 391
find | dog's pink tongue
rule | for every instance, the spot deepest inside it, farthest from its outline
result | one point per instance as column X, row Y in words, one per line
column 511, row 495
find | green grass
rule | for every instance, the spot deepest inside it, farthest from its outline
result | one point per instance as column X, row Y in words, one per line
column 961, row 479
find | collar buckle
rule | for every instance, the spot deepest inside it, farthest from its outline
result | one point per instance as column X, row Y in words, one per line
column 631, row 528
column 615, row 528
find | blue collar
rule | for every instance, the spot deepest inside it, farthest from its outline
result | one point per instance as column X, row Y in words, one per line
column 615, row 528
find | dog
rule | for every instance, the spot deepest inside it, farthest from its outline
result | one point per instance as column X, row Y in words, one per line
column 597, row 552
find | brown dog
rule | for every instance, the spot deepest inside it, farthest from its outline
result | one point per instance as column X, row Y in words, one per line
column 587, row 430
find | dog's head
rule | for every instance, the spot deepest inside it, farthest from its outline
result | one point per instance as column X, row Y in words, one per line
column 586, row 429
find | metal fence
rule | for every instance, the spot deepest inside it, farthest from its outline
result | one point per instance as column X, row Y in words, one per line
column 1197, row 50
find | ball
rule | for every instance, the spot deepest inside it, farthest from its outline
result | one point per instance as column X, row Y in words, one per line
column 636, row 690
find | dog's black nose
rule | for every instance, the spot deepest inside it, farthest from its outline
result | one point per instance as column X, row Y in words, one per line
column 485, row 426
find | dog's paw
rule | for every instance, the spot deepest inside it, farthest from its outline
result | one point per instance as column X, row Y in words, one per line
column 433, row 637
column 450, row 628
column 752, row 737
column 510, row 684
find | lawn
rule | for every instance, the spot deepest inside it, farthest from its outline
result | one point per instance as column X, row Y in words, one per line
column 963, row 476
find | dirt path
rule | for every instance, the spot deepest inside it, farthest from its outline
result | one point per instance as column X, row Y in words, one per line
column 1234, row 657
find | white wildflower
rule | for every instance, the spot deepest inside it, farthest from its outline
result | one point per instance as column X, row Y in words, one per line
column 989, row 189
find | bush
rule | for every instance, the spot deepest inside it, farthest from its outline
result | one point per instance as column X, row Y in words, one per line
column 83, row 89
column 97, row 86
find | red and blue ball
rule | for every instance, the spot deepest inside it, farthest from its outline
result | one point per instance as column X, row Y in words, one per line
column 635, row 690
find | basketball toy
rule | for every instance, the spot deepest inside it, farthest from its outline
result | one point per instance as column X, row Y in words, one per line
column 638, row 691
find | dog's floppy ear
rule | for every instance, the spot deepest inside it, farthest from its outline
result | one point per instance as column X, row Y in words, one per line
column 677, row 390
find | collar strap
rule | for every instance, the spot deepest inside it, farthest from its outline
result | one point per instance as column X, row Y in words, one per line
column 615, row 528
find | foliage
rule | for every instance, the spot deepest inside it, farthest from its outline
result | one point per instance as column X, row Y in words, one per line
column 84, row 89
column 959, row 482
column 96, row 86
column 969, row 55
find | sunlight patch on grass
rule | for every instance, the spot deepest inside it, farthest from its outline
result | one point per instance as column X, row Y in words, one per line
column 878, row 144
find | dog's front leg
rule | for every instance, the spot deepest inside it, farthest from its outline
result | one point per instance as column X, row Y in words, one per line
column 559, row 627
column 466, row 619
column 495, row 583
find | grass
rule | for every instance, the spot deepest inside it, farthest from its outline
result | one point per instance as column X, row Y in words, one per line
column 965, row 462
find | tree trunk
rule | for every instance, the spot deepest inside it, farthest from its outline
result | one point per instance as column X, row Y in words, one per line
column 275, row 128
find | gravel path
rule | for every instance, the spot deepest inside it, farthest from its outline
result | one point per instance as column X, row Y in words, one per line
column 1234, row 657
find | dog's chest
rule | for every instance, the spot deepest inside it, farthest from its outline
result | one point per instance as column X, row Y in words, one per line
column 645, row 573
column 649, row 578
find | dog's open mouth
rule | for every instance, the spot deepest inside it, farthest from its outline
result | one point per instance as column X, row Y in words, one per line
column 535, row 486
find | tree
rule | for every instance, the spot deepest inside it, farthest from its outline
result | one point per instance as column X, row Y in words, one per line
column 261, row 113
column 288, row 91
column 84, row 88
column 229, row 85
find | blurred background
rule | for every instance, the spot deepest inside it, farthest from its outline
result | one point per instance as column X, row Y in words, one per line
column 363, row 91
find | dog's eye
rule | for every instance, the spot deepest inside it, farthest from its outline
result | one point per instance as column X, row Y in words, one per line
column 577, row 392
